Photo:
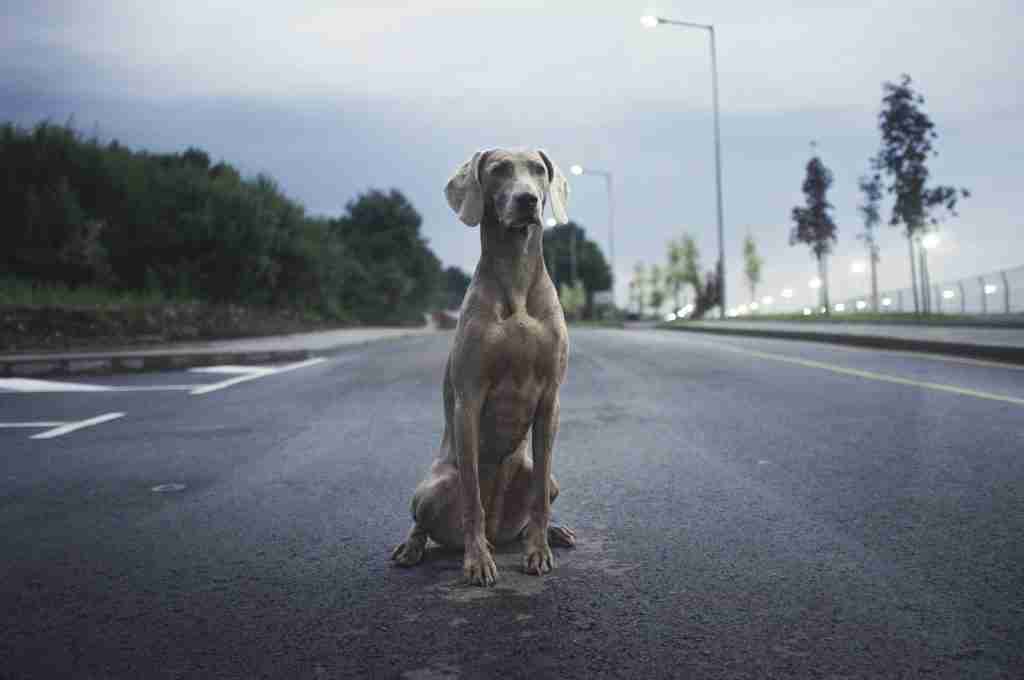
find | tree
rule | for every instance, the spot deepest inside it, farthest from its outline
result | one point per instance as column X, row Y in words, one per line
column 813, row 223
column 907, row 136
column 657, row 292
column 751, row 265
column 871, row 188
column 399, row 274
column 591, row 267
column 456, row 282
column 674, row 272
column 639, row 287
column 573, row 298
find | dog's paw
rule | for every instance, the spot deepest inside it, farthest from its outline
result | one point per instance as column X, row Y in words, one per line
column 479, row 568
column 563, row 537
column 538, row 560
column 408, row 554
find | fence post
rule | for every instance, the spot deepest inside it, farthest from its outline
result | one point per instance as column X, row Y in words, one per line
column 984, row 295
column 1006, row 291
column 963, row 297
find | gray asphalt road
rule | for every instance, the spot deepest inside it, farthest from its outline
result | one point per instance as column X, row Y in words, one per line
column 745, row 508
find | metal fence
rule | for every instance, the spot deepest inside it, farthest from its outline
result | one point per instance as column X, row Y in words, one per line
column 999, row 292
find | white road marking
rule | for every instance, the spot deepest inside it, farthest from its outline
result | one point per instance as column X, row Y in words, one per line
column 868, row 375
column 30, row 425
column 247, row 373
column 32, row 385
column 241, row 373
column 71, row 427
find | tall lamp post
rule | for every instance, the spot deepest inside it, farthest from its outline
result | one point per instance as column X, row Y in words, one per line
column 652, row 22
column 579, row 170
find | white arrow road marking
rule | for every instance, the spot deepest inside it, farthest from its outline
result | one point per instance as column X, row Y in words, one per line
column 58, row 429
column 31, row 385
column 246, row 373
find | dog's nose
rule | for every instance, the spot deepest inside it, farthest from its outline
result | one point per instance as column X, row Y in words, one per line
column 526, row 201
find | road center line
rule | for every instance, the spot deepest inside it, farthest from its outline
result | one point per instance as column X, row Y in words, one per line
column 71, row 427
column 868, row 375
column 36, row 425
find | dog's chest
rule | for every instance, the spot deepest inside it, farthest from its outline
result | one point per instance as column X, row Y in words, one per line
column 525, row 348
column 525, row 357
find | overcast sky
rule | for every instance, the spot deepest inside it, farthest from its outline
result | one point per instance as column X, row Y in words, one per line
column 334, row 98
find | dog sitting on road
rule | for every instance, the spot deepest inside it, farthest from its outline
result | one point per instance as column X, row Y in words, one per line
column 492, row 482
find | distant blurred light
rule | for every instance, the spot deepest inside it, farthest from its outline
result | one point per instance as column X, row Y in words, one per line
column 815, row 283
column 858, row 268
column 948, row 294
column 551, row 221
column 807, row 311
column 671, row 316
column 840, row 307
column 742, row 309
column 753, row 306
column 767, row 300
column 929, row 241
column 990, row 288
column 732, row 312
column 648, row 21
column 861, row 304
column 822, row 310
column 886, row 302
column 787, row 293
column 576, row 169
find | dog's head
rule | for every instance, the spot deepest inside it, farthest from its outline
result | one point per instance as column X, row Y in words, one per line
column 512, row 187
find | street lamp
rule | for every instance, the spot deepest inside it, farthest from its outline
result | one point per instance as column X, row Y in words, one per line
column 650, row 21
column 609, row 184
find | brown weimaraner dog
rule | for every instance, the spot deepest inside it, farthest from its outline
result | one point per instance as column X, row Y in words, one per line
column 491, row 483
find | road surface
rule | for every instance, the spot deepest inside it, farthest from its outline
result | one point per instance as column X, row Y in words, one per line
column 746, row 508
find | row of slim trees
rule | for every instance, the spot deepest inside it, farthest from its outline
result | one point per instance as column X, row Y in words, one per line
column 899, row 169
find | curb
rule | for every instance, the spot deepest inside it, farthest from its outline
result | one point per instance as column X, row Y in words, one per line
column 141, row 361
column 100, row 364
column 1004, row 353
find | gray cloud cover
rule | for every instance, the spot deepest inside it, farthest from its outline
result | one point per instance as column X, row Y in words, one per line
column 332, row 99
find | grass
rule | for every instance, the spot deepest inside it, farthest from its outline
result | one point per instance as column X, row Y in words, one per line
column 19, row 293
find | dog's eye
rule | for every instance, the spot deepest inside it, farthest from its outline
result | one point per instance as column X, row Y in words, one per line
column 501, row 168
column 538, row 169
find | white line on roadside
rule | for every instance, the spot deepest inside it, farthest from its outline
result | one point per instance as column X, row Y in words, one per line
column 36, row 425
column 247, row 373
column 71, row 427
column 33, row 386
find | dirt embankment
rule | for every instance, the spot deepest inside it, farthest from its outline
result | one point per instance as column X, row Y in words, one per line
column 25, row 329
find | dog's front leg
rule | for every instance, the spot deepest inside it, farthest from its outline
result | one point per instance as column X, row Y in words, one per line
column 538, row 558
column 478, row 565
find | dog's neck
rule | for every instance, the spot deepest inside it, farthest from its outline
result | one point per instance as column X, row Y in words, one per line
column 512, row 261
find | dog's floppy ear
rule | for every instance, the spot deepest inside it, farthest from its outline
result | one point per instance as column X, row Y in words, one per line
column 558, row 189
column 464, row 193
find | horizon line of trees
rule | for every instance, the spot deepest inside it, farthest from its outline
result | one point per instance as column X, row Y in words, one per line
column 80, row 212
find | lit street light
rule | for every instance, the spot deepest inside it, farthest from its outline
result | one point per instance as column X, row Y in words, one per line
column 609, row 184
column 650, row 21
